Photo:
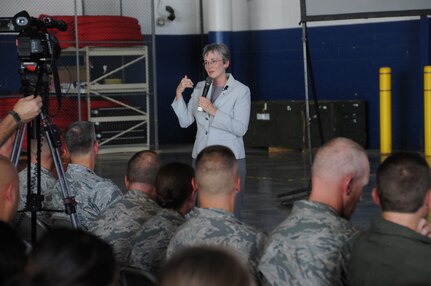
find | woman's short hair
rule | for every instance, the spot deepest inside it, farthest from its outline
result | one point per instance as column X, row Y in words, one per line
column 222, row 49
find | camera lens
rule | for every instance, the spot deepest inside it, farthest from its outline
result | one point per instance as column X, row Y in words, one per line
column 21, row 21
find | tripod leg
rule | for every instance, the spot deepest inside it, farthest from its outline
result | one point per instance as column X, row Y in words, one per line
column 17, row 145
column 53, row 138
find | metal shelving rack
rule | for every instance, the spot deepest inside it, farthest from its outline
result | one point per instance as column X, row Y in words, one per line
column 128, row 116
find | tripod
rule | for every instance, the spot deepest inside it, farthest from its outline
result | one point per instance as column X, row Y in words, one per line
column 287, row 199
column 38, row 84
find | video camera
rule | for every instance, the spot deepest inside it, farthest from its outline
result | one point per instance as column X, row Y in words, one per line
column 38, row 52
column 34, row 43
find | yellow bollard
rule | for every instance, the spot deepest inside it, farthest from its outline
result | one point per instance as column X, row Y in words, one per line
column 427, row 109
column 385, row 111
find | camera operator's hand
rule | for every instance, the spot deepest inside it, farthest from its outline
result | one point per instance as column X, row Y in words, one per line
column 28, row 107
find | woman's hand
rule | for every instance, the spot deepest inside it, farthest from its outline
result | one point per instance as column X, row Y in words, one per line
column 184, row 83
column 207, row 106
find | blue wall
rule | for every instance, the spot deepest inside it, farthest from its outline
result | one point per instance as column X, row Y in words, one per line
column 346, row 61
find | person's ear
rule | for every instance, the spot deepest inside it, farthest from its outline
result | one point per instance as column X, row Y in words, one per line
column 126, row 182
column 428, row 200
column 347, row 186
column 226, row 64
column 96, row 147
column 11, row 194
column 375, row 196
column 238, row 184
column 194, row 184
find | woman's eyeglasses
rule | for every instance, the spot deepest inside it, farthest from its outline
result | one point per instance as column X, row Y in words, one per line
column 211, row 62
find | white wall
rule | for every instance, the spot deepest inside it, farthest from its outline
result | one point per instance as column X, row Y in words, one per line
column 246, row 14
column 36, row 7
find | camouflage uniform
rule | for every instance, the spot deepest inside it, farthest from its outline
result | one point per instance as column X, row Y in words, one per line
column 219, row 227
column 92, row 193
column 310, row 247
column 120, row 223
column 149, row 250
column 47, row 183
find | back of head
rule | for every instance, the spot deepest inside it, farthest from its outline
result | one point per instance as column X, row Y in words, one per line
column 12, row 253
column 45, row 152
column 80, row 137
column 70, row 257
column 403, row 180
column 216, row 171
column 205, row 266
column 340, row 157
column 143, row 167
column 174, row 185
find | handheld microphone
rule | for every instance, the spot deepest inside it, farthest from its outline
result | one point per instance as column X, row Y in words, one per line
column 207, row 85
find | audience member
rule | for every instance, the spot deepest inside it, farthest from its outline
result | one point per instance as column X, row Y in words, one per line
column 70, row 257
column 213, row 223
column 205, row 266
column 23, row 111
column 391, row 251
column 47, row 180
column 120, row 223
column 175, row 195
column 12, row 248
column 92, row 192
column 9, row 190
column 311, row 246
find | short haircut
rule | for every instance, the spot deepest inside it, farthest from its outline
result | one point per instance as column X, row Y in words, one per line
column 80, row 137
column 65, row 256
column 143, row 167
column 174, row 185
column 339, row 157
column 205, row 265
column 216, row 170
column 222, row 49
column 12, row 253
column 403, row 180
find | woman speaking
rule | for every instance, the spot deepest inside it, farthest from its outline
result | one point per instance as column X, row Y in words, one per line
column 220, row 106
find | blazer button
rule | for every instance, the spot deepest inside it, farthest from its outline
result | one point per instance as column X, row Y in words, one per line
column 206, row 118
column 206, row 132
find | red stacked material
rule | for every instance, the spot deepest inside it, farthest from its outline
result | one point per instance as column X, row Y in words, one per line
column 106, row 31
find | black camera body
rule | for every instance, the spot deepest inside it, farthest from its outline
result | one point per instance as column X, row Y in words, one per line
column 37, row 49
column 34, row 43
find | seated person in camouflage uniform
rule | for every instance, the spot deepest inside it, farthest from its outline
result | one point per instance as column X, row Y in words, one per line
column 120, row 222
column 12, row 248
column 306, row 248
column 92, row 193
column 176, row 197
column 213, row 223
column 391, row 251
column 47, row 180
column 205, row 266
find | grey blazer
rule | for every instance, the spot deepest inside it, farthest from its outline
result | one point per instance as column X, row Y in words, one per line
column 229, row 125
